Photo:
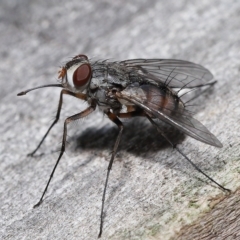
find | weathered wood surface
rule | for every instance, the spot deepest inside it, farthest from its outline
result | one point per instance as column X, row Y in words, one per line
column 153, row 193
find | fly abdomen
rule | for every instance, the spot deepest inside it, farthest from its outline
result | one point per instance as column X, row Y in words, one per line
column 162, row 99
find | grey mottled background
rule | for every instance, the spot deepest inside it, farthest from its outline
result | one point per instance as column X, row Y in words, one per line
column 152, row 192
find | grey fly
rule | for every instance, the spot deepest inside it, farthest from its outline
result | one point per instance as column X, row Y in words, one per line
column 131, row 88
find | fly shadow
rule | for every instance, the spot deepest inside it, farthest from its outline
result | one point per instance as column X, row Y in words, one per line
column 139, row 137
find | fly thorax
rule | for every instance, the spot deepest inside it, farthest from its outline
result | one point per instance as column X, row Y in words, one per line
column 133, row 91
column 97, row 82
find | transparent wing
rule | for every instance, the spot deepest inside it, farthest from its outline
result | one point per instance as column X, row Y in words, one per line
column 152, row 100
column 174, row 73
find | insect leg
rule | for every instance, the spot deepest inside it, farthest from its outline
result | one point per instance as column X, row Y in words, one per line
column 68, row 120
column 115, row 119
column 193, row 164
column 64, row 91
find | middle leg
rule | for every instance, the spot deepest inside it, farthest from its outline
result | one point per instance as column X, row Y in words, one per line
column 68, row 120
column 114, row 119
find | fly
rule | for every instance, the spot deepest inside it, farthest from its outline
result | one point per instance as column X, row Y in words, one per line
column 131, row 88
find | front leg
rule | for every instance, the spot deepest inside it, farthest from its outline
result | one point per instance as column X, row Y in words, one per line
column 64, row 91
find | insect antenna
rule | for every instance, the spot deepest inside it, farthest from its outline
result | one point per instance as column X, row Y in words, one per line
column 188, row 159
column 43, row 86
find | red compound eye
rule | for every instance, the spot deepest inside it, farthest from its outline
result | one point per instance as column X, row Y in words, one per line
column 82, row 75
column 82, row 56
